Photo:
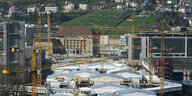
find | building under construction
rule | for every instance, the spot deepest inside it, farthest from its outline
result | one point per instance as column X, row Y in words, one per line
column 95, row 65
column 12, row 35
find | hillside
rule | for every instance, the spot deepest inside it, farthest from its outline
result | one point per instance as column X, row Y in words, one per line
column 140, row 23
column 105, row 18
column 111, row 19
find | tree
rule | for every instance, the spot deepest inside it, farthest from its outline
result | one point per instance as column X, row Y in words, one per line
column 153, row 2
column 171, row 18
column 11, row 85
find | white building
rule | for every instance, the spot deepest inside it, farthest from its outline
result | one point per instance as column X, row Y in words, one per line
column 69, row 7
column 107, row 88
column 172, row 2
column 83, row 6
column 161, row 8
column 184, row 10
column 32, row 8
column 119, row 7
column 135, row 92
column 11, row 11
column 132, row 4
column 52, row 8
column 61, row 94
column 118, row 1
column 104, row 39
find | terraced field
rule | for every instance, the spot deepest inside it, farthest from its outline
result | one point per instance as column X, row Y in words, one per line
column 105, row 18
column 110, row 18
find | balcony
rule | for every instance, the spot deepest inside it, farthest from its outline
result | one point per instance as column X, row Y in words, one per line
column 14, row 46
column 14, row 34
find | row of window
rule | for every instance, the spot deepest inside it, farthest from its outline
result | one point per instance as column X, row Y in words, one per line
column 170, row 54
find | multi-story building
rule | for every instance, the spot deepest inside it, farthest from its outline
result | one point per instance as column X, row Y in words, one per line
column 44, row 47
column 168, row 68
column 179, row 45
column 140, row 49
column 73, row 40
column 13, row 36
column 32, row 33
column 52, row 7
column 111, row 45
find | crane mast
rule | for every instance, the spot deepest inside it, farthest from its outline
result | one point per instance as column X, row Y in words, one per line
column 83, row 52
column 48, row 36
column 132, row 41
column 34, row 72
column 102, row 52
column 39, row 76
column 150, row 64
column 162, row 75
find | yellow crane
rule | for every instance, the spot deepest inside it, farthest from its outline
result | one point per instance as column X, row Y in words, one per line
column 39, row 76
column 83, row 52
column 162, row 74
column 34, row 69
column 150, row 64
column 132, row 41
column 77, row 81
column 48, row 35
column 102, row 51
column 34, row 72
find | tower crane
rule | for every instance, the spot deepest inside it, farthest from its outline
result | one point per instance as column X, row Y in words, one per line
column 150, row 64
column 103, row 47
column 132, row 41
column 162, row 75
column 35, row 69
column 39, row 77
column 48, row 35
column 78, row 79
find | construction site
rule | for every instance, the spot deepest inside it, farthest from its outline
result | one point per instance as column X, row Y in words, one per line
column 86, row 61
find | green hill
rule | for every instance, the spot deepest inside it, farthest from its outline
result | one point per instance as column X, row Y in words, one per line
column 112, row 19
column 105, row 18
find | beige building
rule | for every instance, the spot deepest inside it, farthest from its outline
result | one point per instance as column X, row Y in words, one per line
column 111, row 45
column 73, row 40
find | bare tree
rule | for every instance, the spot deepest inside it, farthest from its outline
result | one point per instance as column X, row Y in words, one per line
column 11, row 85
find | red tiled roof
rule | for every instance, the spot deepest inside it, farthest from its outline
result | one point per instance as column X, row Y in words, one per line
column 12, row 7
column 73, row 32
column 101, row 2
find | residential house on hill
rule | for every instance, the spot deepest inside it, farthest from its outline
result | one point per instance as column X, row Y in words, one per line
column 32, row 8
column 11, row 11
column 69, row 6
column 83, row 6
column 52, row 7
